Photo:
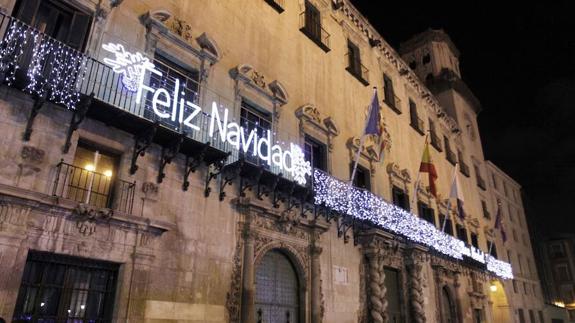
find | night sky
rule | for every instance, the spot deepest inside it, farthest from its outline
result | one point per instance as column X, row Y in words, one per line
column 520, row 63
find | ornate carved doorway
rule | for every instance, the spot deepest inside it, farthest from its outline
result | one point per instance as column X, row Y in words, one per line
column 277, row 290
column 447, row 306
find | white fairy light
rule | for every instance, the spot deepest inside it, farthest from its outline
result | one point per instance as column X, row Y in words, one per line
column 363, row 205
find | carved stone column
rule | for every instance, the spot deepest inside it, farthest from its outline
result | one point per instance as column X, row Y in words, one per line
column 375, row 276
column 316, row 311
column 414, row 265
column 248, row 287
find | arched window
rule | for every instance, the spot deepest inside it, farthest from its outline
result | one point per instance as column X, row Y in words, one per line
column 277, row 290
column 447, row 306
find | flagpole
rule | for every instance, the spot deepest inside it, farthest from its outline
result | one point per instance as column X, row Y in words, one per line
column 361, row 142
column 449, row 198
column 416, row 185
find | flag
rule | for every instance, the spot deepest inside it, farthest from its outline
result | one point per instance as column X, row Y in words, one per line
column 372, row 125
column 427, row 166
column 457, row 194
column 499, row 223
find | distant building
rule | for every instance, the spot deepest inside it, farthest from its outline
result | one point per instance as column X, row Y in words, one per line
column 190, row 161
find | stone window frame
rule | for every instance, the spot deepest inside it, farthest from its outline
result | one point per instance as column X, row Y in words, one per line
column 400, row 178
column 199, row 53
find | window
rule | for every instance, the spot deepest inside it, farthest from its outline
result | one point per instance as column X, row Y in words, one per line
column 278, row 5
column 393, row 286
column 277, row 289
column 435, row 142
column 315, row 153
column 426, row 213
column 462, row 233
column 485, row 210
column 541, row 319
column 90, row 178
column 448, row 224
column 521, row 316
column 463, row 168
column 474, row 240
column 557, row 250
column 493, row 248
column 56, row 19
column 515, row 289
column 477, row 315
column 415, row 122
column 252, row 118
column 65, row 289
column 310, row 25
column 354, row 66
column 532, row 316
column 449, row 154
column 525, row 290
column 480, row 181
column 562, row 273
column 426, row 59
column 389, row 94
column 188, row 84
column 361, row 179
column 400, row 198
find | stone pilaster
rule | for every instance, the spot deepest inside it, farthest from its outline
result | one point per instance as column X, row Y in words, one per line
column 316, row 297
column 415, row 283
column 248, row 286
column 376, row 301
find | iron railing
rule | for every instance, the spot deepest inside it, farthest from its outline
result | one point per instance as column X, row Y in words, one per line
column 358, row 70
column 93, row 188
column 313, row 29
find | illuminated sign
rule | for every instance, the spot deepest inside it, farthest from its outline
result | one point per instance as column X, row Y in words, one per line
column 171, row 104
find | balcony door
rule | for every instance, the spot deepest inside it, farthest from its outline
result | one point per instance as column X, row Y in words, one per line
column 56, row 19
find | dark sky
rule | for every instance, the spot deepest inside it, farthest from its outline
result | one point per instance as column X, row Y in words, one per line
column 520, row 63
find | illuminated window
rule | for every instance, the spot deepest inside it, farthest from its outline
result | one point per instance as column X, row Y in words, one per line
column 58, row 288
column 91, row 176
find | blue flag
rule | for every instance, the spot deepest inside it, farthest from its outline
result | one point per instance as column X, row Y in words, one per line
column 372, row 126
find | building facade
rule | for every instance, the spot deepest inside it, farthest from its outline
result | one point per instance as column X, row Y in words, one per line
column 557, row 265
column 189, row 161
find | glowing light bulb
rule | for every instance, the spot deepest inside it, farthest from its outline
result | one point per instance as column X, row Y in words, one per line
column 90, row 167
column 108, row 173
column 493, row 287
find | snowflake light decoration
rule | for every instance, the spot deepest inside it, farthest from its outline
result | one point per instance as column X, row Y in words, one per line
column 300, row 166
column 131, row 66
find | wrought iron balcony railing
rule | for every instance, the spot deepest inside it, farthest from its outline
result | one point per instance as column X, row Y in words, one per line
column 92, row 188
column 313, row 29
column 355, row 68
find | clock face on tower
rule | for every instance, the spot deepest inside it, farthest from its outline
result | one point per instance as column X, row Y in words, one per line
column 469, row 128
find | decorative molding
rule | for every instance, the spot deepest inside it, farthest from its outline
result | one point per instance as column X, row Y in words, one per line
column 87, row 216
column 369, row 151
column 415, row 261
column 32, row 154
column 313, row 123
column 398, row 177
column 233, row 297
column 13, row 215
column 252, row 84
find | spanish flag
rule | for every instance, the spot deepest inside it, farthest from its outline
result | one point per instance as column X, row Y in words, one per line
column 427, row 166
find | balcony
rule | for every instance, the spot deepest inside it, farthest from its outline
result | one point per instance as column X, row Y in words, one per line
column 314, row 31
column 92, row 188
column 278, row 5
column 360, row 72
column 417, row 124
column 450, row 155
column 481, row 183
column 464, row 168
column 361, row 208
column 393, row 103
column 435, row 141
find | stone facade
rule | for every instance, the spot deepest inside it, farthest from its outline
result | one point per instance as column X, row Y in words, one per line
column 191, row 255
